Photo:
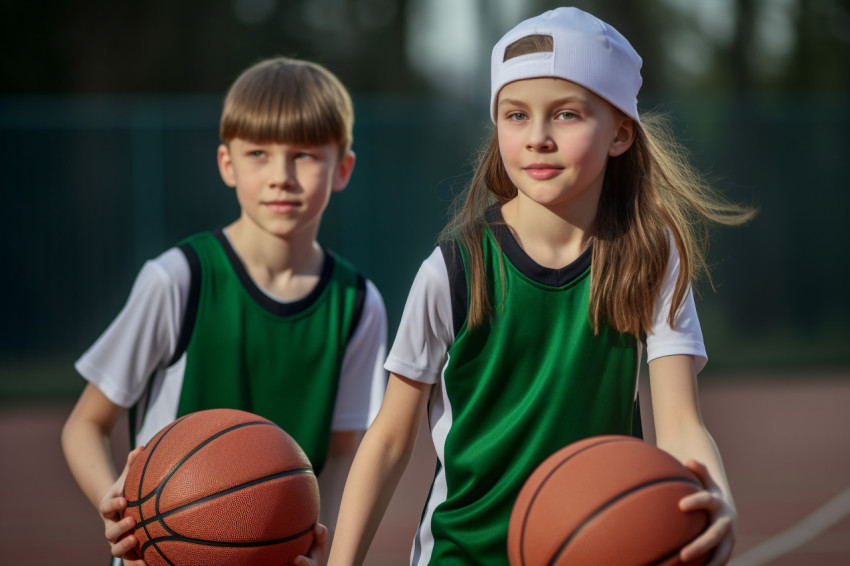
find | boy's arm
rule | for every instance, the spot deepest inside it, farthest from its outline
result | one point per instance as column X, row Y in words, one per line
column 377, row 468
column 679, row 430
column 85, row 443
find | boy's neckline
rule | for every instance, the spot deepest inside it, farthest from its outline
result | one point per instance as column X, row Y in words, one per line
column 524, row 263
column 265, row 298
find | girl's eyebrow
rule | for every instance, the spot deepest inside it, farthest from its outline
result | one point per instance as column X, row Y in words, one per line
column 569, row 100
column 558, row 102
column 512, row 102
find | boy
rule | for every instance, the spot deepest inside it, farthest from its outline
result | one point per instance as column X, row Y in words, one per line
column 255, row 316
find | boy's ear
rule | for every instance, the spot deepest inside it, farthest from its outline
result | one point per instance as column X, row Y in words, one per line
column 624, row 136
column 225, row 166
column 343, row 172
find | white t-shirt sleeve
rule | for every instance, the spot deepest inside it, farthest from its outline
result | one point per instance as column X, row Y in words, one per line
column 426, row 328
column 362, row 379
column 685, row 336
column 144, row 335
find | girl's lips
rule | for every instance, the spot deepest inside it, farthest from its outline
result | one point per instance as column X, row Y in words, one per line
column 542, row 171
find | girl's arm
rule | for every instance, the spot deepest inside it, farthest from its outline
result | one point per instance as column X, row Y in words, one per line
column 343, row 447
column 377, row 468
column 85, row 442
column 679, row 430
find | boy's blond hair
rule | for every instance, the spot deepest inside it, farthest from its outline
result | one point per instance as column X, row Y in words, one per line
column 284, row 100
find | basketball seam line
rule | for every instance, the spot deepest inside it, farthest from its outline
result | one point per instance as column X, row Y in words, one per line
column 234, row 544
column 158, row 488
column 540, row 487
column 182, row 460
column 600, row 509
column 160, row 515
column 141, row 482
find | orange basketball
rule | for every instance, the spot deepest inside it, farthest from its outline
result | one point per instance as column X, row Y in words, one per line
column 222, row 487
column 605, row 500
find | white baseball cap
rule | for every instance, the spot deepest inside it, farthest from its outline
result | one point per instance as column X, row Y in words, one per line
column 587, row 51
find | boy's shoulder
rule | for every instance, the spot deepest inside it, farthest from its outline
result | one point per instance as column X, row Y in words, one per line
column 343, row 262
column 200, row 237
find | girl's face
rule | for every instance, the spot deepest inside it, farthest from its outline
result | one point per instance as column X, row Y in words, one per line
column 555, row 138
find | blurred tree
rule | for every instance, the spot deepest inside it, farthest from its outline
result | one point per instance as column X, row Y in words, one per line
column 758, row 88
column 100, row 46
column 821, row 61
column 87, row 46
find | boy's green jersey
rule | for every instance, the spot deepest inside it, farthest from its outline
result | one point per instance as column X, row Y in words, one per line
column 279, row 360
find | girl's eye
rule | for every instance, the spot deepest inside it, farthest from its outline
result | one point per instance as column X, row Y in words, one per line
column 517, row 116
column 566, row 115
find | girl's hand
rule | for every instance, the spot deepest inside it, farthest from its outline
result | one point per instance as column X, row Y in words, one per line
column 720, row 533
column 118, row 530
column 317, row 553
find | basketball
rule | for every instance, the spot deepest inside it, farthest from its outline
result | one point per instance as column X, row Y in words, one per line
column 222, row 487
column 605, row 500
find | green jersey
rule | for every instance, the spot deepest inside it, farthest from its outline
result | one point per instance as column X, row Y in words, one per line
column 509, row 393
column 197, row 333
column 279, row 360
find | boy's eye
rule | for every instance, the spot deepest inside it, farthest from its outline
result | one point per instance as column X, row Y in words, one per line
column 256, row 153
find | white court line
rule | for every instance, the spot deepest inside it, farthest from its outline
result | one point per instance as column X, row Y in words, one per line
column 830, row 513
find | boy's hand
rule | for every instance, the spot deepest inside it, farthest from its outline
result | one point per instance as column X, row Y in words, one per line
column 317, row 553
column 118, row 530
column 719, row 535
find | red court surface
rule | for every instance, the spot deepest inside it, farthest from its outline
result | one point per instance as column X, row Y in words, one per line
column 785, row 442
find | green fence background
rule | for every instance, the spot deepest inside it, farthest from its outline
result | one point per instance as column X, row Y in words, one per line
column 95, row 185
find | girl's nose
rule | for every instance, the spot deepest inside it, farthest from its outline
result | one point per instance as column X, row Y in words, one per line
column 539, row 138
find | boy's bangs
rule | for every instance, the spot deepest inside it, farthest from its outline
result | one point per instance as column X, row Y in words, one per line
column 277, row 120
column 288, row 102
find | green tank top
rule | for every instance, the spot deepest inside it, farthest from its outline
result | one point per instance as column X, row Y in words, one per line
column 532, row 380
column 246, row 351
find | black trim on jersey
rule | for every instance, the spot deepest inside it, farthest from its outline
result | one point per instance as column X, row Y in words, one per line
column 359, row 301
column 186, row 327
column 191, row 311
column 458, row 287
column 271, row 305
column 523, row 262
column 637, row 424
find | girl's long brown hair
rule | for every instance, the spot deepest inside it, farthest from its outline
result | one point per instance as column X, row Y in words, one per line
column 651, row 194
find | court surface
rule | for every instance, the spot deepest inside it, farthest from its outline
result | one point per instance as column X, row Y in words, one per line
column 785, row 440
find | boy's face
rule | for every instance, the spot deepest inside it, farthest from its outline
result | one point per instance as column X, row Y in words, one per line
column 284, row 188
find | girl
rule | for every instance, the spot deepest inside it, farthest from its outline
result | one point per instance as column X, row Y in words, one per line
column 575, row 247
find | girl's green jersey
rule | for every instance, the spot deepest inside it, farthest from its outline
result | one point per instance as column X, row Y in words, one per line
column 529, row 382
column 507, row 395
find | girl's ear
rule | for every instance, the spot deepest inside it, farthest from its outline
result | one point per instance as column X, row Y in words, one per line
column 624, row 136
column 225, row 166
column 343, row 172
